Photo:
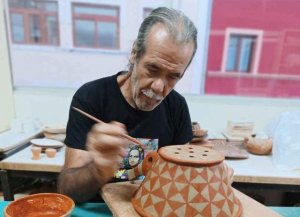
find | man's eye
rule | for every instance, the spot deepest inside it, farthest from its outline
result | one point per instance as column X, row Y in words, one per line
column 153, row 71
column 174, row 77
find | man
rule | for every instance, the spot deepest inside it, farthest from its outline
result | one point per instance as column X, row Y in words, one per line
column 140, row 102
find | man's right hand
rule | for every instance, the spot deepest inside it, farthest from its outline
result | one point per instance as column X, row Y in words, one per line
column 107, row 148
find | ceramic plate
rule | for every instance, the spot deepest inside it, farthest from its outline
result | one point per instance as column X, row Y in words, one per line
column 46, row 142
column 55, row 129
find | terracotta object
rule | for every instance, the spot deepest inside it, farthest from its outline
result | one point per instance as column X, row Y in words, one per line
column 186, row 180
column 36, row 152
column 44, row 204
column 258, row 146
column 50, row 152
column 197, row 131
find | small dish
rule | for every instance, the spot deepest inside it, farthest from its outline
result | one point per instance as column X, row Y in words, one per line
column 43, row 204
column 55, row 129
column 46, row 142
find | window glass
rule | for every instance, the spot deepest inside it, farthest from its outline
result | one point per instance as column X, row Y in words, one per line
column 107, row 34
column 84, row 33
column 50, row 6
column 17, row 27
column 95, row 11
column 245, row 57
column 101, row 29
column 52, row 31
column 232, row 53
column 34, row 22
column 35, row 29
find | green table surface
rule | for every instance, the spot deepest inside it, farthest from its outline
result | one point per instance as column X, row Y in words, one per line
column 101, row 209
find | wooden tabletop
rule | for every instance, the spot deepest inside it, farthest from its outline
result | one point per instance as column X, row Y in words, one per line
column 22, row 161
column 255, row 169
column 118, row 198
column 260, row 169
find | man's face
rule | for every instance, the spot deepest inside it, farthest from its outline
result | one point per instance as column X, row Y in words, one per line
column 155, row 74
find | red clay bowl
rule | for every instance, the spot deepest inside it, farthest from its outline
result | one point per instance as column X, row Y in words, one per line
column 41, row 205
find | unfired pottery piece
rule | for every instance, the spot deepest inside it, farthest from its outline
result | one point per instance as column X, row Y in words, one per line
column 43, row 204
column 186, row 181
column 50, row 152
column 36, row 152
column 258, row 146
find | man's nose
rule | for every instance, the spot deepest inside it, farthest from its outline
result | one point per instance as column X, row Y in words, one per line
column 158, row 85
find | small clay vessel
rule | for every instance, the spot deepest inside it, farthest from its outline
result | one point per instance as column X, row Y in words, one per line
column 36, row 152
column 258, row 146
column 197, row 131
column 50, row 152
column 185, row 181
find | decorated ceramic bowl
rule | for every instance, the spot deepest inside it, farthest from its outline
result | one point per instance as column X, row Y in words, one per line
column 41, row 205
column 186, row 181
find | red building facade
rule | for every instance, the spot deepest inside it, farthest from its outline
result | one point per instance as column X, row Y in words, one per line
column 254, row 48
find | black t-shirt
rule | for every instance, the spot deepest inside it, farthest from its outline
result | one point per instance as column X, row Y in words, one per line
column 169, row 122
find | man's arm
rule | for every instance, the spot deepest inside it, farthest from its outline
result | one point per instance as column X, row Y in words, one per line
column 85, row 172
column 77, row 179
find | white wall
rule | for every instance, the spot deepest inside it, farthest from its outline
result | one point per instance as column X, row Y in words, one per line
column 212, row 112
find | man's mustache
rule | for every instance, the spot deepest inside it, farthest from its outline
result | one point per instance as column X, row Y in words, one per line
column 150, row 93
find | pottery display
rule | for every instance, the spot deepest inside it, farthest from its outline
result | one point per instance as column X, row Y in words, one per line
column 259, row 146
column 186, row 180
column 43, row 204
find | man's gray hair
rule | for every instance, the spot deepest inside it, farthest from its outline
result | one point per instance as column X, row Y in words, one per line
column 180, row 27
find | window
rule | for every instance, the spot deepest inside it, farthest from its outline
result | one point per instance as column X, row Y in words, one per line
column 240, row 50
column 146, row 12
column 34, row 22
column 96, row 26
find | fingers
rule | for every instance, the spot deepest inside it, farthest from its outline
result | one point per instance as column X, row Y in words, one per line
column 107, row 147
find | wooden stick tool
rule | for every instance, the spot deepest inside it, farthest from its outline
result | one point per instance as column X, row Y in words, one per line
column 99, row 121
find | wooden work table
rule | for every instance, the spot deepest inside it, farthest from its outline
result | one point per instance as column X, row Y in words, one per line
column 21, row 165
column 23, row 161
column 257, row 172
column 260, row 169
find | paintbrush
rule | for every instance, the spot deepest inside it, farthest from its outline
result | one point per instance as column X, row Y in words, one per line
column 99, row 121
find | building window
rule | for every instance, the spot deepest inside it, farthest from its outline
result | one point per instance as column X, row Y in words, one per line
column 146, row 12
column 96, row 26
column 240, row 53
column 34, row 22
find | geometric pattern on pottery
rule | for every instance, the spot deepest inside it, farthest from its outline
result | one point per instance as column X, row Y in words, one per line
column 176, row 190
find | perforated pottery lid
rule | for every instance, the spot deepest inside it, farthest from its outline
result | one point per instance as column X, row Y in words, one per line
column 193, row 155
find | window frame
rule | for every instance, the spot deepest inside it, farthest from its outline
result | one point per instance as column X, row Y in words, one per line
column 258, row 34
column 95, row 19
column 147, row 11
column 26, row 12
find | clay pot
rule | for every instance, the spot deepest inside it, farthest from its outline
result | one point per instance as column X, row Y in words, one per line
column 36, row 152
column 197, row 131
column 186, row 181
column 258, row 146
column 51, row 152
column 43, row 204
